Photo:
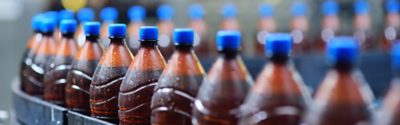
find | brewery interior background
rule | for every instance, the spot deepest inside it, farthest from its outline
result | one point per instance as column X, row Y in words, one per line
column 15, row 25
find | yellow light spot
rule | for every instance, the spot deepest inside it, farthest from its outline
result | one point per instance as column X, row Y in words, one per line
column 73, row 5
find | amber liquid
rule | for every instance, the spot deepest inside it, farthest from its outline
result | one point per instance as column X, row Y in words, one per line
column 27, row 57
column 80, row 76
column 35, row 73
column 107, row 79
column 222, row 92
column 342, row 99
column 279, row 96
column 56, row 76
column 177, row 89
column 138, row 85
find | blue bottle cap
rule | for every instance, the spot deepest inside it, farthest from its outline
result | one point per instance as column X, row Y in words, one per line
column 361, row 7
column 229, row 11
column 109, row 14
column 148, row 33
column 52, row 15
column 85, row 14
column 183, row 36
column 299, row 9
column 228, row 39
column 68, row 26
column 396, row 56
column 65, row 14
column 330, row 7
column 117, row 30
column 92, row 28
column 165, row 12
column 36, row 22
column 136, row 13
column 266, row 10
column 278, row 43
column 342, row 49
column 196, row 12
column 392, row 6
column 48, row 25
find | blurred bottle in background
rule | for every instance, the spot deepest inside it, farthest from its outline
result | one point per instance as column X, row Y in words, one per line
column 201, row 43
column 108, row 15
column 392, row 25
column 62, row 15
column 41, row 57
column 230, row 21
column 136, row 16
column 390, row 111
column 108, row 76
column 330, row 23
column 83, row 15
column 165, row 14
column 300, row 28
column 82, row 69
column 142, row 76
column 343, row 97
column 60, row 64
column 362, row 26
column 178, row 84
column 55, row 16
column 226, row 85
column 279, row 91
column 266, row 25
column 32, row 45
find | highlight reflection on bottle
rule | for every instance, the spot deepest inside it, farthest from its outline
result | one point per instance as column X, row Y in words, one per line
column 108, row 76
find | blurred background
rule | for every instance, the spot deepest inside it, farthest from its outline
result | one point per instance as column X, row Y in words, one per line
column 15, row 24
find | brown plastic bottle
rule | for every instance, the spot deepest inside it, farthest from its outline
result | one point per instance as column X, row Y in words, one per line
column 392, row 25
column 138, row 85
column 166, row 25
column 362, row 26
column 279, row 96
column 225, row 87
column 108, row 15
column 390, row 111
column 45, row 51
column 108, row 76
column 32, row 45
column 55, row 77
column 330, row 24
column 266, row 25
column 343, row 97
column 201, row 43
column 179, row 83
column 82, row 69
column 299, row 26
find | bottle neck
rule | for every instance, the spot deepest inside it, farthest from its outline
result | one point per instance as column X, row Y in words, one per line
column 148, row 43
column 117, row 40
column 184, row 47
column 229, row 53
column 68, row 35
column 279, row 58
column 343, row 66
column 47, row 34
column 92, row 38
